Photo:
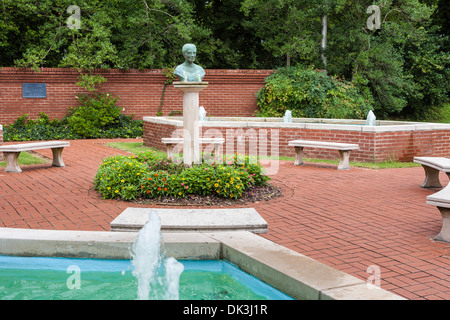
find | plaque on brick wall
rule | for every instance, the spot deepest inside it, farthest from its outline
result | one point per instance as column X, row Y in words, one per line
column 34, row 90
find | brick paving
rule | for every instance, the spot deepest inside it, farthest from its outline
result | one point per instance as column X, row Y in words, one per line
column 350, row 220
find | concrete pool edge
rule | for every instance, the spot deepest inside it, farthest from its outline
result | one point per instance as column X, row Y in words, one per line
column 386, row 141
column 295, row 274
column 306, row 123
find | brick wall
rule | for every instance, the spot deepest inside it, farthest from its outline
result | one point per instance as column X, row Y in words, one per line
column 375, row 146
column 229, row 93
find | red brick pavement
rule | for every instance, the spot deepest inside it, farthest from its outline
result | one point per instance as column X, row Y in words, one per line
column 349, row 220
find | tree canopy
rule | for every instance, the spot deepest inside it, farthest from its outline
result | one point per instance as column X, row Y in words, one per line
column 403, row 64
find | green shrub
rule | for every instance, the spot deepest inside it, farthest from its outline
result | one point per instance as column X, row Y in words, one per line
column 94, row 114
column 41, row 129
column 155, row 184
column 119, row 176
column 230, row 181
column 310, row 93
column 44, row 129
column 147, row 175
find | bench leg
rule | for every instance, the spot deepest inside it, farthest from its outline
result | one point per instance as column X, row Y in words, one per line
column 169, row 150
column 217, row 149
column 12, row 162
column 444, row 235
column 344, row 163
column 431, row 178
column 298, row 156
column 57, row 157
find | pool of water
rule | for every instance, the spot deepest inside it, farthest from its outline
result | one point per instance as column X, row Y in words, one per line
column 35, row 278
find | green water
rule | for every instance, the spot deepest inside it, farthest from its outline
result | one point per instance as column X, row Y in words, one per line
column 22, row 279
column 51, row 285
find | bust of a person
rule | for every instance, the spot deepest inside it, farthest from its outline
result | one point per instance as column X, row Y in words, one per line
column 189, row 71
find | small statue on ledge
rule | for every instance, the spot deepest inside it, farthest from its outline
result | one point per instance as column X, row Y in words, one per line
column 189, row 71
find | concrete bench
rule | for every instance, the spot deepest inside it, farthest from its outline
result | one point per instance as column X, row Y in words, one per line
column 193, row 220
column 172, row 142
column 441, row 200
column 12, row 152
column 343, row 148
column 432, row 167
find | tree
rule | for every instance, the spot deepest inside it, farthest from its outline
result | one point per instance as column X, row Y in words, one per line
column 121, row 34
column 231, row 42
column 387, row 61
column 290, row 29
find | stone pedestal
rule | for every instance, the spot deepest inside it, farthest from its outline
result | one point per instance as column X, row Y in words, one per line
column 191, row 146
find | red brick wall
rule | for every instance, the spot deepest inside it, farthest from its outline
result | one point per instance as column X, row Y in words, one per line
column 229, row 93
column 374, row 146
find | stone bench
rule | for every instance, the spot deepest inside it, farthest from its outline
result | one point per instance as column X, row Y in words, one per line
column 441, row 200
column 172, row 142
column 12, row 152
column 193, row 220
column 343, row 148
column 432, row 167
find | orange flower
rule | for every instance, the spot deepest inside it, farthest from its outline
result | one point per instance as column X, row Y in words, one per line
column 165, row 189
column 148, row 191
column 159, row 188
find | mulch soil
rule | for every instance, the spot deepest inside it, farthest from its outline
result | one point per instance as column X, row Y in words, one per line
column 254, row 194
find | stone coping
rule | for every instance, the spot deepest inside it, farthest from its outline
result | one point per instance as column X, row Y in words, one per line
column 305, row 123
column 295, row 274
column 188, row 220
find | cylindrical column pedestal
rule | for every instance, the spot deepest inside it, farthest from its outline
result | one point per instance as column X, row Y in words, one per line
column 191, row 135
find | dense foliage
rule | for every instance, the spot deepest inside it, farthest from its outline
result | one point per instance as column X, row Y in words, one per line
column 24, row 129
column 403, row 65
column 312, row 94
column 147, row 175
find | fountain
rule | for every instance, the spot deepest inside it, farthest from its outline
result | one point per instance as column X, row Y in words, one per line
column 202, row 114
column 287, row 117
column 157, row 275
column 371, row 119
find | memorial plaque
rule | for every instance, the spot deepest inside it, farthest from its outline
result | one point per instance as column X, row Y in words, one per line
column 34, row 90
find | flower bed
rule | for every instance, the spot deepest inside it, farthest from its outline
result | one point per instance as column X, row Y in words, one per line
column 149, row 176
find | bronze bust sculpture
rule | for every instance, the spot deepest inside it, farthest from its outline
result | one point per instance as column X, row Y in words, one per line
column 189, row 71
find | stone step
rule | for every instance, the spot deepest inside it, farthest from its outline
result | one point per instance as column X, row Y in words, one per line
column 189, row 220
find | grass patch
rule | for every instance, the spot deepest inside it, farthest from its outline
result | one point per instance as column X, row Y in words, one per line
column 134, row 147
column 27, row 158
column 137, row 147
column 369, row 165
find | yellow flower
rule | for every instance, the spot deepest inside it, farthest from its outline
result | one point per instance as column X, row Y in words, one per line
column 237, row 187
column 122, row 180
column 117, row 191
column 216, row 185
column 108, row 188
